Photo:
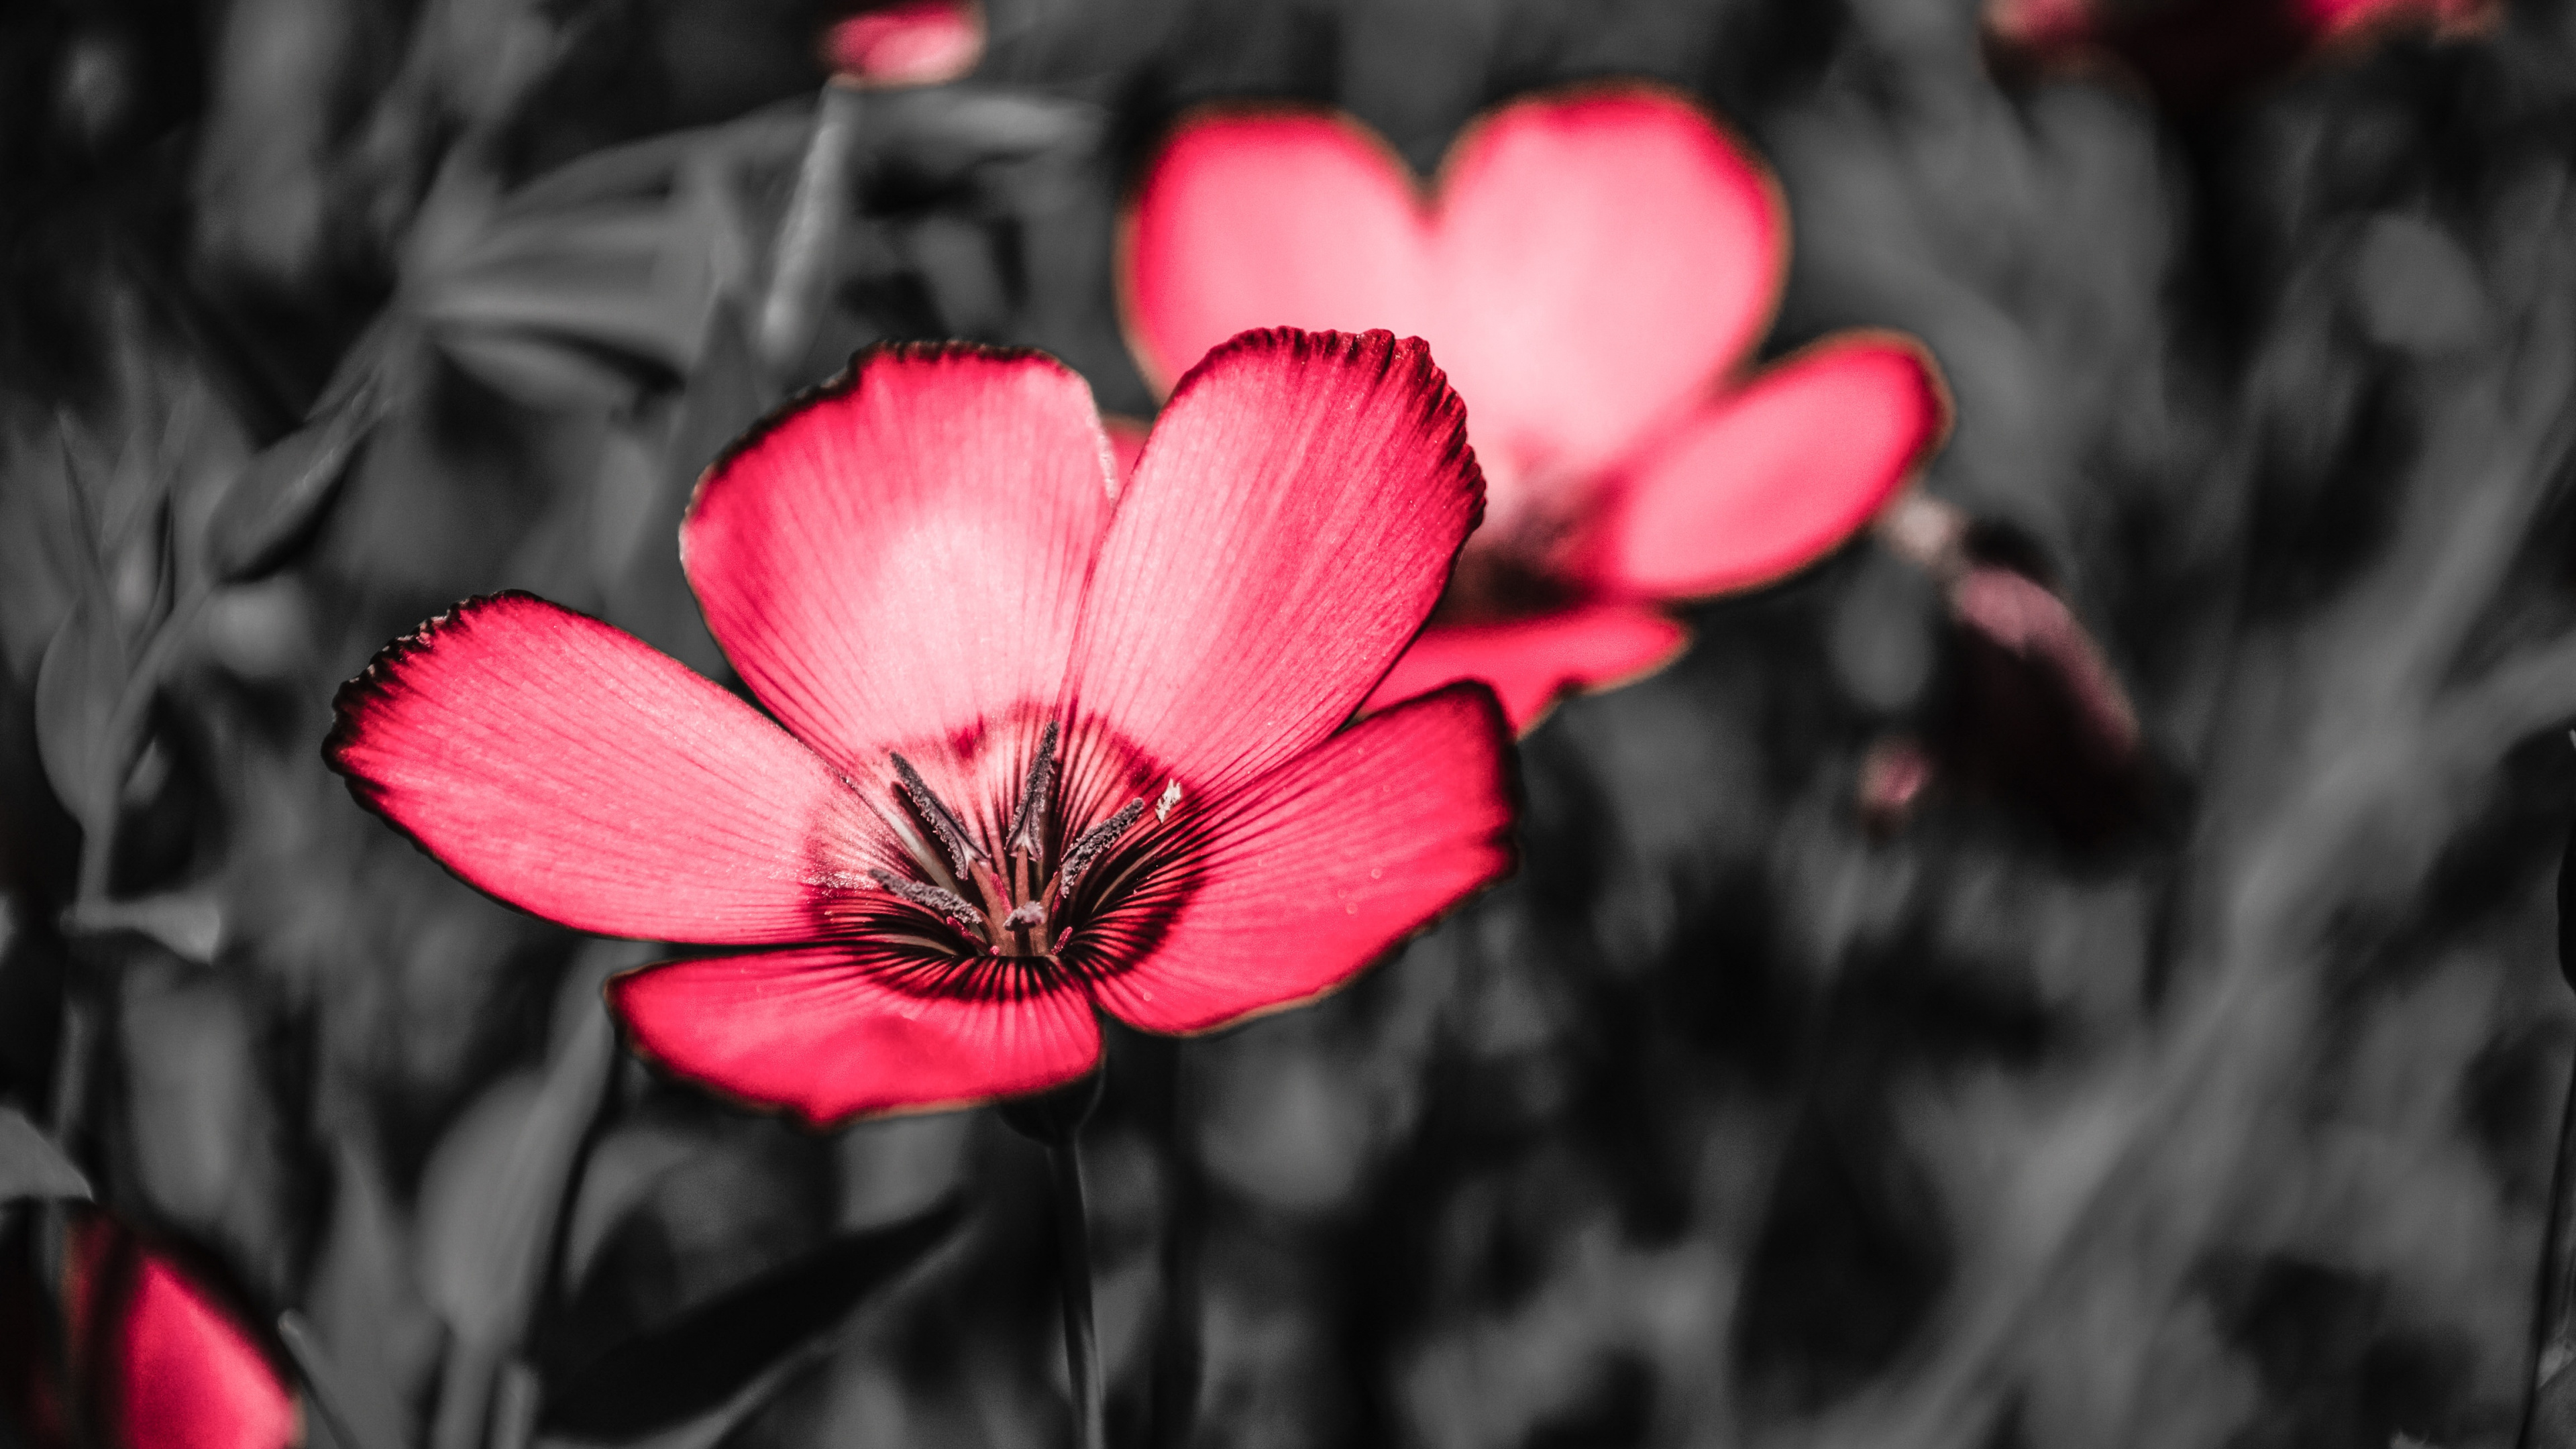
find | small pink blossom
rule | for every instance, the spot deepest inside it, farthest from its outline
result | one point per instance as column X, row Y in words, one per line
column 1595, row 270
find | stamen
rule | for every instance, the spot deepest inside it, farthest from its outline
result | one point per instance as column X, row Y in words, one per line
column 952, row 831
column 932, row 898
column 1087, row 851
column 913, row 845
column 1171, row 797
column 1028, row 824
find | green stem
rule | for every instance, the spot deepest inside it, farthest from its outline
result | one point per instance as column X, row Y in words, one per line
column 1073, row 1252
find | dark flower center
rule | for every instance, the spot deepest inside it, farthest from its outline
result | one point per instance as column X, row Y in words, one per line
column 1016, row 901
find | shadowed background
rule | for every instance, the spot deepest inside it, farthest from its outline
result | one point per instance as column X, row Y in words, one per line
column 2196, row 1089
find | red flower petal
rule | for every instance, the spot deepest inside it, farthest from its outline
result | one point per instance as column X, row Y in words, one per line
column 908, row 43
column 1310, row 874
column 1261, row 219
column 1289, row 527
column 900, row 555
column 570, row 770
column 183, row 1372
column 192, row 1378
column 1766, row 480
column 1592, row 262
column 1126, row 443
column 828, row 1031
column 1529, row 662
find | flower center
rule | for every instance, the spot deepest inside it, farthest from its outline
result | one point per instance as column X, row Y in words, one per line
column 1014, row 902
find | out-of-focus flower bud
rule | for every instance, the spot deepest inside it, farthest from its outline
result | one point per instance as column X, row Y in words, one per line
column 1894, row 773
column 907, row 43
column 2036, row 713
column 2198, row 52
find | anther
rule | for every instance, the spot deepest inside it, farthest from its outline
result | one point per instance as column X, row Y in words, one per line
column 961, row 849
column 1025, row 916
column 1171, row 797
column 1028, row 824
column 932, row 898
column 1087, row 851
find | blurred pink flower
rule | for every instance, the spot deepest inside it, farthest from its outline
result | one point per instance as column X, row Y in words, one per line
column 158, row 1359
column 907, row 43
column 1053, row 743
column 2193, row 52
column 1594, row 269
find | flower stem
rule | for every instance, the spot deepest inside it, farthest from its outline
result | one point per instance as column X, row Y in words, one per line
column 809, row 231
column 1073, row 1254
column 2549, row 1400
column 2547, row 1411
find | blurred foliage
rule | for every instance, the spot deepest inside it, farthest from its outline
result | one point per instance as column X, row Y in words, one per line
column 2204, row 1093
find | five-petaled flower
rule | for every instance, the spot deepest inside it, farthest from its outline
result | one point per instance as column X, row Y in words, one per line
column 1052, row 741
column 1594, row 270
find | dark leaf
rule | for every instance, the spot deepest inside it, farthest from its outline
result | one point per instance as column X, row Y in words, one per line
column 944, row 131
column 188, row 923
column 495, row 1187
column 694, row 1362
column 566, row 307
column 339, row 1399
column 382, row 1338
column 77, row 688
column 2567, row 901
column 281, row 495
column 710, row 1429
column 32, row 1166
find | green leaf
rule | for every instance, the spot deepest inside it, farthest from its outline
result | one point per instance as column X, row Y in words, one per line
column 31, row 1166
column 696, row 1361
column 495, row 1187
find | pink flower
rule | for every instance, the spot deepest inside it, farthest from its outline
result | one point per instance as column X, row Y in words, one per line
column 2194, row 52
column 159, row 1361
column 1594, row 269
column 907, row 43
column 1051, row 743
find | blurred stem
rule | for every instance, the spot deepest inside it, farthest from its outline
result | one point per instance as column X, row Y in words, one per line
column 808, row 234
column 2546, row 1412
column 464, row 1413
column 1179, row 1358
column 124, row 734
column 52, row 1245
column 1073, row 1254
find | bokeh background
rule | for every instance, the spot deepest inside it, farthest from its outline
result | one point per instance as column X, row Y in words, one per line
column 1881, row 1045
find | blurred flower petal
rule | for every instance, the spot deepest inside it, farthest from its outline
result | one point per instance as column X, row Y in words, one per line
column 183, row 1372
column 907, row 43
column 1586, row 264
column 1531, row 661
column 1763, row 481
